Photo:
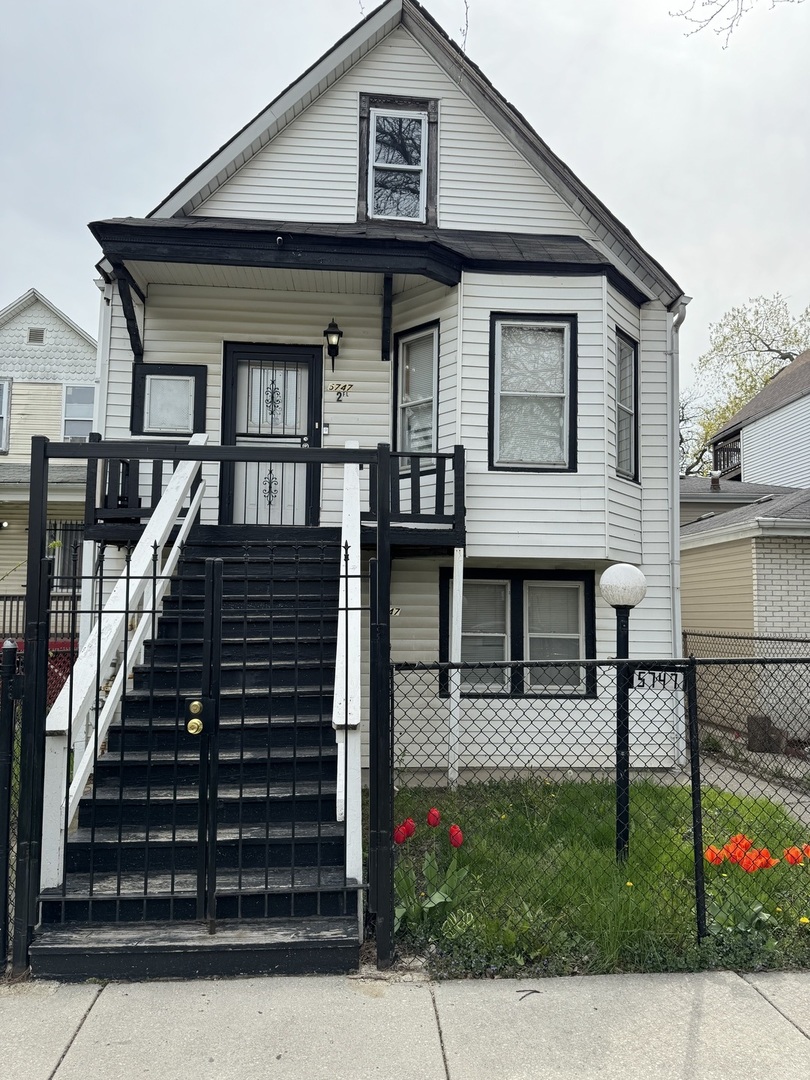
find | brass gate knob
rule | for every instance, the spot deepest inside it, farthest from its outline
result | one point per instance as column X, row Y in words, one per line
column 194, row 726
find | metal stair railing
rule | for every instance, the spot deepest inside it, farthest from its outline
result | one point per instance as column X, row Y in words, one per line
column 102, row 649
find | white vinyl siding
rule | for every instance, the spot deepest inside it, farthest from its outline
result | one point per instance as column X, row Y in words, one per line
column 772, row 448
column 36, row 409
column 484, row 183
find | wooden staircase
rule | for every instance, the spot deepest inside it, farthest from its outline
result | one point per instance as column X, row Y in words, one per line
column 130, row 903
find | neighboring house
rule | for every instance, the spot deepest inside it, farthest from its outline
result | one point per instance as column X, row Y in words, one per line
column 496, row 319
column 746, row 573
column 766, row 441
column 712, row 495
column 47, row 387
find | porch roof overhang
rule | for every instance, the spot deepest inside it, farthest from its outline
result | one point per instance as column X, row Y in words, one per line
column 364, row 247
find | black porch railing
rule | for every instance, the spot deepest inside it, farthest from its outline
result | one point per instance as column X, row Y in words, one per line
column 99, row 877
column 727, row 456
column 12, row 616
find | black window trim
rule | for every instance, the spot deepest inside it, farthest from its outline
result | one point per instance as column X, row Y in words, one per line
column 199, row 372
column 384, row 103
column 517, row 580
column 632, row 475
column 495, row 318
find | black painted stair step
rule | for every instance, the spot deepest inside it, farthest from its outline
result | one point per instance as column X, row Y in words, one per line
column 250, row 832
column 240, row 648
column 278, row 732
column 166, row 885
column 185, row 756
column 251, row 767
column 255, row 568
column 237, row 674
column 251, row 703
column 253, row 846
column 315, row 945
column 305, row 625
column 229, row 792
column 265, row 589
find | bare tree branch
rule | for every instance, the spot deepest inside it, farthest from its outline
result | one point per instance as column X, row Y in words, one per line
column 721, row 16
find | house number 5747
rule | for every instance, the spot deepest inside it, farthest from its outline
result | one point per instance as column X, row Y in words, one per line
column 340, row 389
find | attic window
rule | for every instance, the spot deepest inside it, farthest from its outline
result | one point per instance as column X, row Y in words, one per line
column 36, row 335
column 398, row 152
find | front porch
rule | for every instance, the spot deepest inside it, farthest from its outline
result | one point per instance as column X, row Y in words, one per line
column 202, row 764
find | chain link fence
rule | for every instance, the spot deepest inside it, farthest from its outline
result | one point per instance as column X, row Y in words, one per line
column 522, row 759
column 10, row 735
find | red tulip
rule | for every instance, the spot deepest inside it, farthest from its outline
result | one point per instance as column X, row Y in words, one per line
column 409, row 825
column 434, row 817
column 400, row 834
column 456, row 836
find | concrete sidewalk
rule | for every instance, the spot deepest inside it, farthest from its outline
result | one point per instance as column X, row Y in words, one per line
column 700, row 1026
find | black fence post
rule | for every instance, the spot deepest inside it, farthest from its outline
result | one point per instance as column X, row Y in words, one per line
column 32, row 736
column 697, row 799
column 8, row 667
column 382, row 777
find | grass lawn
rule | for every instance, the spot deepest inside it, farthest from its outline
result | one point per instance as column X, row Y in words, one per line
column 535, row 885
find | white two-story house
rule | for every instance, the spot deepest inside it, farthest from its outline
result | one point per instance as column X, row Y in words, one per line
column 503, row 377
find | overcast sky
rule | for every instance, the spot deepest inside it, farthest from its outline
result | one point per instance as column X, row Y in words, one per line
column 703, row 153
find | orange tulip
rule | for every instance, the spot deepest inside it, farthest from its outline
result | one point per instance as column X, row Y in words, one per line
column 714, row 855
column 793, row 855
column 806, row 850
column 736, row 848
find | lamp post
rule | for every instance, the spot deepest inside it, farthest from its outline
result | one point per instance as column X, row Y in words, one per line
column 623, row 586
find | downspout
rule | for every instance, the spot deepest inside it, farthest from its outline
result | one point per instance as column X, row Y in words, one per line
column 678, row 313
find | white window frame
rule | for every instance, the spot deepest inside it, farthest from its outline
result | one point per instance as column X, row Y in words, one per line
column 403, row 341
column 412, row 114
column 65, row 417
column 185, row 384
column 528, row 584
column 491, row 687
column 5, row 413
column 625, row 410
column 535, row 324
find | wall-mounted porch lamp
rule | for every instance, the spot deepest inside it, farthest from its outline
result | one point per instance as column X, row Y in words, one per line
column 623, row 586
column 333, row 334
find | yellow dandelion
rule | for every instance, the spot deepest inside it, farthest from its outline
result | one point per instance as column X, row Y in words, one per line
column 804, row 920
column 629, row 884
column 779, row 910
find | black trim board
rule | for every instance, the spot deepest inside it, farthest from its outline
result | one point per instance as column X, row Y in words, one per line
column 517, row 579
column 377, row 246
column 573, row 383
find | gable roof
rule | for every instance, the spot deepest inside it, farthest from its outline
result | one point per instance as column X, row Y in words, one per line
column 230, row 157
column 33, row 296
column 784, row 515
column 699, row 487
column 788, row 384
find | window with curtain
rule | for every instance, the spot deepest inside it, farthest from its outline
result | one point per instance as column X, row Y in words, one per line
column 533, row 392
column 544, row 625
column 626, row 383
column 416, row 391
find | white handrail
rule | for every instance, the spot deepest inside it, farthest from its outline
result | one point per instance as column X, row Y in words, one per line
column 346, row 703
column 82, row 772
column 71, row 708
column 94, row 659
